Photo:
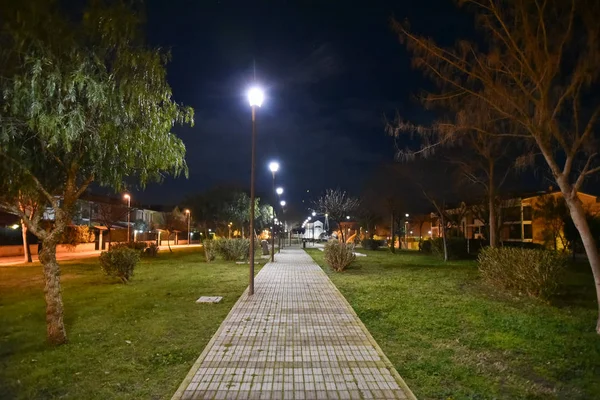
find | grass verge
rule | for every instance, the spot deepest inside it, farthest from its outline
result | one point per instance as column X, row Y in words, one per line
column 125, row 341
column 450, row 337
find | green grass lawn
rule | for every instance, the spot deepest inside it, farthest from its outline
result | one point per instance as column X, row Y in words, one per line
column 134, row 341
column 450, row 337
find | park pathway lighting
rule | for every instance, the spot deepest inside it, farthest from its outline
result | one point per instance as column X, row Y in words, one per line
column 255, row 98
column 128, row 198
column 274, row 167
column 189, row 215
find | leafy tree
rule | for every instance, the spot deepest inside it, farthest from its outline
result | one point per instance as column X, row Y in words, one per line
column 84, row 100
column 536, row 73
column 337, row 204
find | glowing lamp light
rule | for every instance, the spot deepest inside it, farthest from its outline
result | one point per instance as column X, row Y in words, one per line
column 187, row 211
column 282, row 203
column 274, row 166
column 406, row 215
column 314, row 213
column 347, row 217
column 308, row 219
column 279, row 190
column 256, row 96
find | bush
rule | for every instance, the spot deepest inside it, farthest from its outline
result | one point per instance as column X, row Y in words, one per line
column 119, row 262
column 76, row 234
column 151, row 251
column 371, row 244
column 426, row 247
column 139, row 246
column 233, row 249
column 338, row 256
column 534, row 272
column 457, row 248
column 210, row 249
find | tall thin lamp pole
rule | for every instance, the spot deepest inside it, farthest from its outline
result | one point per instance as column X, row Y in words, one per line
column 189, row 224
column 128, row 197
column 274, row 167
column 255, row 97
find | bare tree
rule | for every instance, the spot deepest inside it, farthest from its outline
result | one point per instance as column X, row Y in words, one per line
column 540, row 61
column 109, row 215
column 337, row 204
column 173, row 222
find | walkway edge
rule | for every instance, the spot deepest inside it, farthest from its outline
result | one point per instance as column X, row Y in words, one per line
column 409, row 394
column 192, row 372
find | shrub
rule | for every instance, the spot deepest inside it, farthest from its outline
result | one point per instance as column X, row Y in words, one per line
column 76, row 234
column 233, row 249
column 210, row 250
column 425, row 246
column 151, row 251
column 371, row 244
column 338, row 256
column 534, row 272
column 119, row 262
column 139, row 246
column 457, row 248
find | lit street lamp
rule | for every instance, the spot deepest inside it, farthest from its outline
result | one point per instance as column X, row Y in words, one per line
column 255, row 98
column 274, row 167
column 189, row 215
column 282, row 203
column 406, row 231
column 128, row 198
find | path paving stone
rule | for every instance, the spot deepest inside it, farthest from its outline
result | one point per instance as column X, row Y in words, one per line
column 296, row 338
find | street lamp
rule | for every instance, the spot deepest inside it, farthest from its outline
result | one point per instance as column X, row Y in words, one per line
column 229, row 226
column 189, row 215
column 406, row 231
column 255, row 98
column 274, row 167
column 279, row 191
column 314, row 213
column 282, row 203
column 128, row 198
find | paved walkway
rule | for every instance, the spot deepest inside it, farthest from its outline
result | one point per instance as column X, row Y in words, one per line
column 296, row 338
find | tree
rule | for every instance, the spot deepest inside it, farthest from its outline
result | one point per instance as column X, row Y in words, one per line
column 337, row 204
column 536, row 73
column 173, row 222
column 552, row 211
column 84, row 100
column 109, row 215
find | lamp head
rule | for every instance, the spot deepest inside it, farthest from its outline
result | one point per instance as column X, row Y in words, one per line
column 279, row 191
column 347, row 217
column 406, row 215
column 274, row 166
column 187, row 211
column 282, row 203
column 314, row 213
column 256, row 96
column 126, row 196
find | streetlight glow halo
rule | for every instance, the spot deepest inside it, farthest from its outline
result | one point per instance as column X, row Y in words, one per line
column 256, row 96
column 279, row 191
column 274, row 166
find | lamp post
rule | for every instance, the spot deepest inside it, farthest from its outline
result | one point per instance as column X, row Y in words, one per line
column 406, row 231
column 229, row 226
column 274, row 167
column 189, row 215
column 255, row 98
column 128, row 198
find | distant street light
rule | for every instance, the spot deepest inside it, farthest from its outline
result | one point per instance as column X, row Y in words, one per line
column 274, row 167
column 189, row 215
column 128, row 198
column 255, row 98
column 347, row 217
column 279, row 191
column 282, row 203
column 314, row 213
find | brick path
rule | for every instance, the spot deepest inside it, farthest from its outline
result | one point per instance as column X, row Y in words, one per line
column 296, row 338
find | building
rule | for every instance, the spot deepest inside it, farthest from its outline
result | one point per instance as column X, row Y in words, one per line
column 517, row 218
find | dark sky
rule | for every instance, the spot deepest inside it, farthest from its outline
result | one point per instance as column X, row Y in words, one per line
column 331, row 71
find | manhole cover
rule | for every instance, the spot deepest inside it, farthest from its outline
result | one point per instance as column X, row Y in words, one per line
column 209, row 299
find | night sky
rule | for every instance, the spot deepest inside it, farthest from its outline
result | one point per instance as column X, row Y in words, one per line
column 331, row 71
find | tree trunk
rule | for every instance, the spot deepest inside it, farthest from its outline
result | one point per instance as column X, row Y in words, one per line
column 55, row 326
column 492, row 208
column 26, row 249
column 444, row 237
column 579, row 219
column 392, row 244
column 169, row 241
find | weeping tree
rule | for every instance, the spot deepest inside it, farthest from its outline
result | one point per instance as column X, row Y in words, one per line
column 83, row 100
column 537, row 72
